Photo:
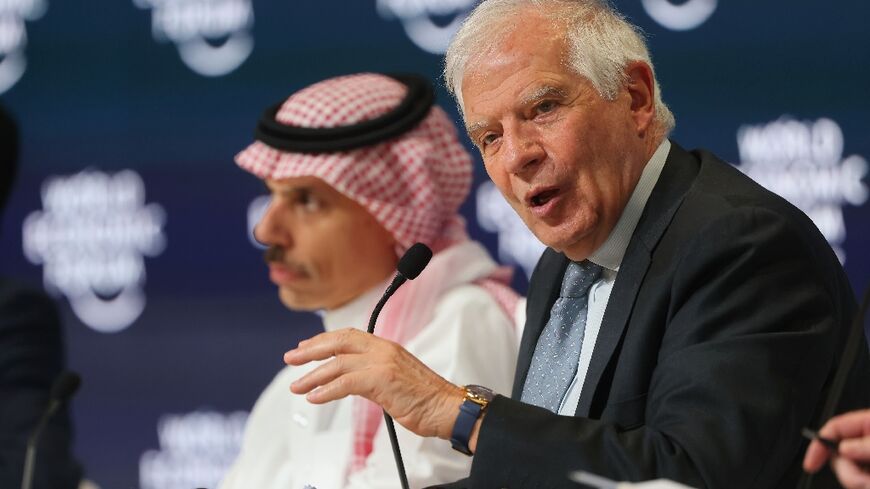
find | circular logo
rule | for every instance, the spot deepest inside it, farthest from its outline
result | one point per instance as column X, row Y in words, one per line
column 13, row 37
column 420, row 19
column 686, row 16
column 212, row 36
column 91, row 237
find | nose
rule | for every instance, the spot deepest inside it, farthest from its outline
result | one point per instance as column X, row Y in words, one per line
column 271, row 229
column 523, row 149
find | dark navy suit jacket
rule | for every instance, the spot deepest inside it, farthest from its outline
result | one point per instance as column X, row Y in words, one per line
column 718, row 344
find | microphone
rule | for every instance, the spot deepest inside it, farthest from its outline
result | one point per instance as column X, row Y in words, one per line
column 409, row 267
column 65, row 385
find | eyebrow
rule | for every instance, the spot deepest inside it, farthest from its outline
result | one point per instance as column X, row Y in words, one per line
column 537, row 94
column 291, row 190
column 298, row 190
column 543, row 92
column 473, row 128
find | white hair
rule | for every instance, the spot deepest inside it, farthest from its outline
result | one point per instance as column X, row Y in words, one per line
column 601, row 43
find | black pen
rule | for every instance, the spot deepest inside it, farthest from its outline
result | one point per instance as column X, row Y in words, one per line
column 814, row 435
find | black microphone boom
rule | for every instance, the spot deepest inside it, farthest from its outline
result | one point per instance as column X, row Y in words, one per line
column 414, row 261
column 856, row 341
column 65, row 385
column 409, row 267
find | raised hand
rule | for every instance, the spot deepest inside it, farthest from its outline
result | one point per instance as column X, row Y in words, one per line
column 381, row 371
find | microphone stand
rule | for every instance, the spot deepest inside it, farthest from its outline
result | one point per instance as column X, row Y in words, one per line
column 855, row 342
column 398, row 280
column 30, row 457
column 410, row 265
column 63, row 388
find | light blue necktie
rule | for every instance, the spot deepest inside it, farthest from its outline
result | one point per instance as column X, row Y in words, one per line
column 554, row 363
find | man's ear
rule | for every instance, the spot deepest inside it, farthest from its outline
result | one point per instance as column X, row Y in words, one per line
column 640, row 86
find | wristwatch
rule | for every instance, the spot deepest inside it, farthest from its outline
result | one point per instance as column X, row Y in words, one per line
column 477, row 398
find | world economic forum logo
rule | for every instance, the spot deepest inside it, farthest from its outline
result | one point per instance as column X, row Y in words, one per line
column 212, row 36
column 804, row 162
column 196, row 450
column 430, row 24
column 682, row 16
column 13, row 37
column 91, row 238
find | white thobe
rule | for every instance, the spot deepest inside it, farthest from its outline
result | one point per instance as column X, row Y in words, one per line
column 290, row 443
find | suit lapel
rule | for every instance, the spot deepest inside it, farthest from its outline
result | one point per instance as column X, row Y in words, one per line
column 619, row 306
column 677, row 176
column 543, row 289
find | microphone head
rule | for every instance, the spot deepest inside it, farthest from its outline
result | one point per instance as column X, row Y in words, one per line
column 414, row 261
column 65, row 385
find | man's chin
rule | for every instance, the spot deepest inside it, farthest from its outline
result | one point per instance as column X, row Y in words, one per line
column 575, row 245
column 294, row 302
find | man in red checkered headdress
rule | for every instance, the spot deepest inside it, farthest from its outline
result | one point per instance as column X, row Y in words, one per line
column 361, row 167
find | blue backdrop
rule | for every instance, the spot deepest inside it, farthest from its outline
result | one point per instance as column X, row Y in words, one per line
column 130, row 210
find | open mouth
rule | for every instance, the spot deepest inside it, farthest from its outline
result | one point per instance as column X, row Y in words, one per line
column 541, row 198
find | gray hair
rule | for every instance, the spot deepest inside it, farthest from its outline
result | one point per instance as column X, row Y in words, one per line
column 601, row 43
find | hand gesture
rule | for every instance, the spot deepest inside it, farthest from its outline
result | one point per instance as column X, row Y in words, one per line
column 381, row 371
column 851, row 460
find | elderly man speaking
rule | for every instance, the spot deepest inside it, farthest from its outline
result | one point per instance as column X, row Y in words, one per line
column 361, row 167
column 685, row 323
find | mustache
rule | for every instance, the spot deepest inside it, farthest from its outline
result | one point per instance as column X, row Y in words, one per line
column 274, row 254
column 277, row 254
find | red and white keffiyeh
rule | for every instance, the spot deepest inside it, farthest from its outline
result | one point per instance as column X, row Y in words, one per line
column 412, row 184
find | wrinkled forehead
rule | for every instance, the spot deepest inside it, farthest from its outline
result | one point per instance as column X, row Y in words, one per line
column 520, row 71
column 519, row 46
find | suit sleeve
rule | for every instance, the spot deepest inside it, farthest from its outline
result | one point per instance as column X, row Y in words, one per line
column 748, row 328
column 31, row 357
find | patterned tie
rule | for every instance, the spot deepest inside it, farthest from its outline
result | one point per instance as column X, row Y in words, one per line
column 554, row 363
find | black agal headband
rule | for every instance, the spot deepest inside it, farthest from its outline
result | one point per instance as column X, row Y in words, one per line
column 413, row 108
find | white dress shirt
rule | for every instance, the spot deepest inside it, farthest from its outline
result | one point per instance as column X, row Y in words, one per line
column 290, row 443
column 609, row 257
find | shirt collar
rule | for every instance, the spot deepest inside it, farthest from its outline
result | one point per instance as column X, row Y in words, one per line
column 609, row 255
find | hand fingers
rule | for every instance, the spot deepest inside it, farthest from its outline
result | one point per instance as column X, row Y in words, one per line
column 381, row 371
column 816, row 456
column 338, row 388
column 326, row 345
column 850, row 425
column 857, row 449
column 850, row 474
column 327, row 372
